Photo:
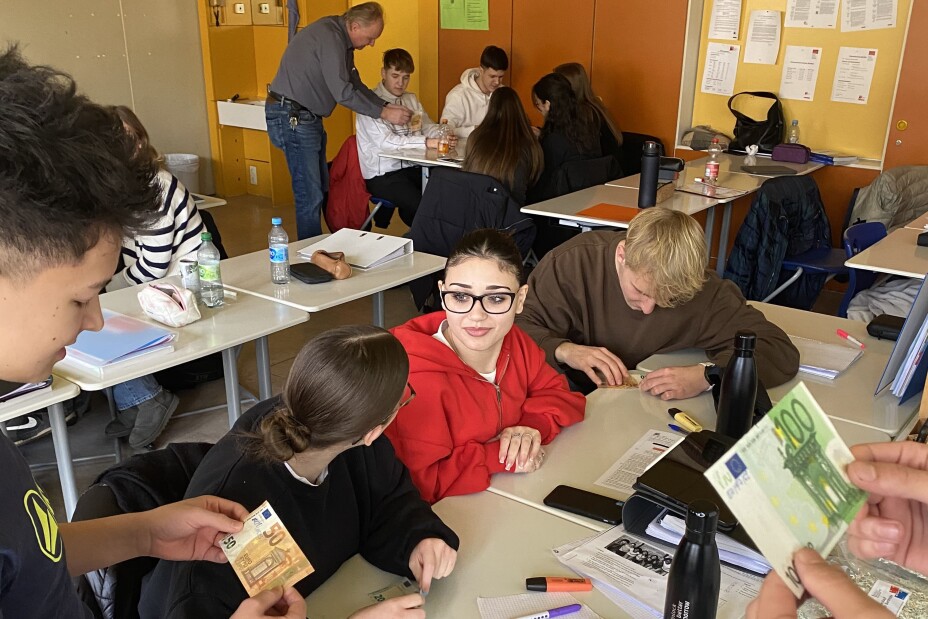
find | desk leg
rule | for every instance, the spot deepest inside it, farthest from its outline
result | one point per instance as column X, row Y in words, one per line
column 377, row 302
column 710, row 227
column 230, row 371
column 63, row 456
column 264, row 367
column 723, row 239
column 425, row 176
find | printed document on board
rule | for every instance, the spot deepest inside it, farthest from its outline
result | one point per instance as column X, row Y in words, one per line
column 853, row 75
column 763, row 43
column 811, row 13
column 726, row 19
column 868, row 14
column 800, row 72
column 718, row 76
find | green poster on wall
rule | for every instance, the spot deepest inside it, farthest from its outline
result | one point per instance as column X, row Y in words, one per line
column 465, row 14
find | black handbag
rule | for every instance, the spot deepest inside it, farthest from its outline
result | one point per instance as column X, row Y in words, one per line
column 765, row 133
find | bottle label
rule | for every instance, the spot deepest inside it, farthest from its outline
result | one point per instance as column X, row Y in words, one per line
column 209, row 272
column 712, row 169
column 279, row 254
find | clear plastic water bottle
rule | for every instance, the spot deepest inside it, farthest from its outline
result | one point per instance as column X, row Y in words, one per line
column 277, row 241
column 211, row 291
column 712, row 165
column 444, row 137
column 793, row 135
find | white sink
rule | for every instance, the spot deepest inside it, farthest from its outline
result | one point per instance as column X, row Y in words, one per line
column 248, row 114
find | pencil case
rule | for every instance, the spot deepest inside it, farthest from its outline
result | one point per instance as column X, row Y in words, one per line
column 169, row 304
column 794, row 153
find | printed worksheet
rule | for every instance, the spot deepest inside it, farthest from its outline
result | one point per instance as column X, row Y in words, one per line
column 725, row 20
column 853, row 75
column 800, row 72
column 634, row 462
column 868, row 14
column 763, row 43
column 811, row 13
column 718, row 76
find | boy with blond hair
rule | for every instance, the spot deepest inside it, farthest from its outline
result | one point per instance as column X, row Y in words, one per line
column 604, row 301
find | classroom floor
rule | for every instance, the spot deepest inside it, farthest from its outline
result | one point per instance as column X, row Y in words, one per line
column 244, row 223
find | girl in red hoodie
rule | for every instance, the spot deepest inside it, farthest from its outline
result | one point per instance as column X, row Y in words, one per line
column 487, row 400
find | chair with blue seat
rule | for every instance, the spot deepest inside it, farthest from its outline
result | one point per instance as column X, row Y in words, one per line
column 856, row 239
column 379, row 203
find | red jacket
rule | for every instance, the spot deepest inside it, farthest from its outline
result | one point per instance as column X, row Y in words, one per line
column 446, row 435
column 348, row 204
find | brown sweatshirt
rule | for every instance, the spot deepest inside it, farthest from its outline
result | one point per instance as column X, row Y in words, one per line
column 574, row 295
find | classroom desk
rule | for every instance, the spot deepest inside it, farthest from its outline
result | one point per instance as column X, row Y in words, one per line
column 502, row 543
column 849, row 397
column 427, row 158
column 53, row 398
column 730, row 176
column 919, row 223
column 220, row 329
column 897, row 254
column 250, row 274
column 205, row 202
column 615, row 419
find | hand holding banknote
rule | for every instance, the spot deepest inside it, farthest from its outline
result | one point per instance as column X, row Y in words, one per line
column 403, row 607
column 279, row 602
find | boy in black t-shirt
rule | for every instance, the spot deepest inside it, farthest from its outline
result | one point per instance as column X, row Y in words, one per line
column 70, row 187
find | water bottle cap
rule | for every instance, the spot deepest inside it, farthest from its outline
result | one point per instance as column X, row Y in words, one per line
column 276, row 221
column 651, row 148
column 745, row 340
column 795, row 122
column 702, row 517
column 206, row 236
column 715, row 140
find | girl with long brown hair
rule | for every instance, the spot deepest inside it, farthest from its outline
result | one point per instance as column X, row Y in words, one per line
column 610, row 136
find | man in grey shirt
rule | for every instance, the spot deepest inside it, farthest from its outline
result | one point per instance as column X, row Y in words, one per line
column 317, row 72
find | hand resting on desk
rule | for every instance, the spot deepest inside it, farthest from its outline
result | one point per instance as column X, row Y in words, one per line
column 593, row 361
column 403, row 607
column 675, row 383
column 520, row 446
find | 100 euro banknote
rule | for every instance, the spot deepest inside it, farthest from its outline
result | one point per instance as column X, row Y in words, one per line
column 786, row 484
column 263, row 554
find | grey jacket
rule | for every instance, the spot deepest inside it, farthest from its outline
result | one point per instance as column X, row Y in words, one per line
column 894, row 198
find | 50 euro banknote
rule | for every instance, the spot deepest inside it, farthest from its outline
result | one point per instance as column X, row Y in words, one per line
column 786, row 484
column 263, row 554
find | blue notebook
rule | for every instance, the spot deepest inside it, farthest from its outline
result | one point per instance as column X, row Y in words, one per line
column 908, row 365
column 122, row 338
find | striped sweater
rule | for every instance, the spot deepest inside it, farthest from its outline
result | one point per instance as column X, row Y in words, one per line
column 173, row 237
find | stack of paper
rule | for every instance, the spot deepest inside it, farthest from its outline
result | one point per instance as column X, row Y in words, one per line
column 824, row 360
column 122, row 338
column 831, row 157
column 913, row 359
column 363, row 250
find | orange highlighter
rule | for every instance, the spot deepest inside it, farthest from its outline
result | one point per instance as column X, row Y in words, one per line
column 553, row 584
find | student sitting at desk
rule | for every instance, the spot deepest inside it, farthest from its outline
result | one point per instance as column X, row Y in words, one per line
column 487, row 399
column 316, row 454
column 604, row 301
column 466, row 104
column 504, row 147
column 610, row 137
column 567, row 135
column 388, row 178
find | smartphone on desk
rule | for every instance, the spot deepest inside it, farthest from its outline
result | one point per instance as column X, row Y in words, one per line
column 588, row 504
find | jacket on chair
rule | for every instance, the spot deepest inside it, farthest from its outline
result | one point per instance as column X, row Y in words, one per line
column 348, row 203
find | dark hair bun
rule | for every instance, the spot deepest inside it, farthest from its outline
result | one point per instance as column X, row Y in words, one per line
column 282, row 436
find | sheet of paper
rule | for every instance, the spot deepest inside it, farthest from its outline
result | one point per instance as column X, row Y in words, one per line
column 530, row 603
column 800, row 72
column 633, row 462
column 853, row 75
column 718, row 77
column 811, row 13
column 868, row 14
column 785, row 483
column 263, row 554
column 464, row 14
column 636, row 568
column 763, row 42
column 725, row 20
column 397, row 589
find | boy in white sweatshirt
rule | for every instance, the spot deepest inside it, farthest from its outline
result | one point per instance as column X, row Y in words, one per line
column 394, row 180
column 466, row 104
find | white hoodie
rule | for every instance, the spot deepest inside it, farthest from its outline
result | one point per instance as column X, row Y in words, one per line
column 465, row 104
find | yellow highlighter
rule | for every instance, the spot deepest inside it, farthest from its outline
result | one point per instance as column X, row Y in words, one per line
column 685, row 421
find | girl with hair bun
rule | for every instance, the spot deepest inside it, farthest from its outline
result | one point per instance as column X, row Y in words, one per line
column 317, row 455
column 487, row 399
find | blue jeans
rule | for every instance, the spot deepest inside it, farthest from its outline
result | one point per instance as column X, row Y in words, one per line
column 304, row 148
column 134, row 392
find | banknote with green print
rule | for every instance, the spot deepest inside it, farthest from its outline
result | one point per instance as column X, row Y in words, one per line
column 785, row 481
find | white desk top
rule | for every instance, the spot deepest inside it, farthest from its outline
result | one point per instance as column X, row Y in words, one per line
column 429, row 156
column 205, row 202
column 240, row 320
column 568, row 206
column 502, row 543
column 849, row 397
column 59, row 391
column 251, row 274
column 897, row 254
column 919, row 223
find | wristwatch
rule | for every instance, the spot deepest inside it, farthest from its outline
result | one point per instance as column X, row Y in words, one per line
column 712, row 373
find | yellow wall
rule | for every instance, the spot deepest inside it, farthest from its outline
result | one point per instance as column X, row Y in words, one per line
column 824, row 124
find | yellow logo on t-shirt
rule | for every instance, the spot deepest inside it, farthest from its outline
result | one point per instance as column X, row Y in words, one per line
column 44, row 523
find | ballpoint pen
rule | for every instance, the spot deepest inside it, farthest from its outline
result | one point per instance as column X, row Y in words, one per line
column 554, row 612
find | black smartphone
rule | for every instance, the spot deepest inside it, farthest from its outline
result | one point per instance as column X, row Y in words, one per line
column 583, row 503
column 886, row 327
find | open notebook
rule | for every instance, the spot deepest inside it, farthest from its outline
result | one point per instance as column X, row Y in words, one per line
column 122, row 339
column 823, row 359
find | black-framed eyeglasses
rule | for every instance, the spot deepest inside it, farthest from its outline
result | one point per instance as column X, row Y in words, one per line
column 458, row 302
column 406, row 400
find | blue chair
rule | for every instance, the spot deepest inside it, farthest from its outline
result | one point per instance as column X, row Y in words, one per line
column 856, row 239
column 378, row 203
column 827, row 261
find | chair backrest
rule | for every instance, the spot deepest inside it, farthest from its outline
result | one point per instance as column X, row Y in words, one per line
column 582, row 173
column 856, row 239
column 630, row 153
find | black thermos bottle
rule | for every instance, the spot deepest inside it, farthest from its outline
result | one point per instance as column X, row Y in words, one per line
column 650, row 165
column 695, row 574
column 739, row 389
